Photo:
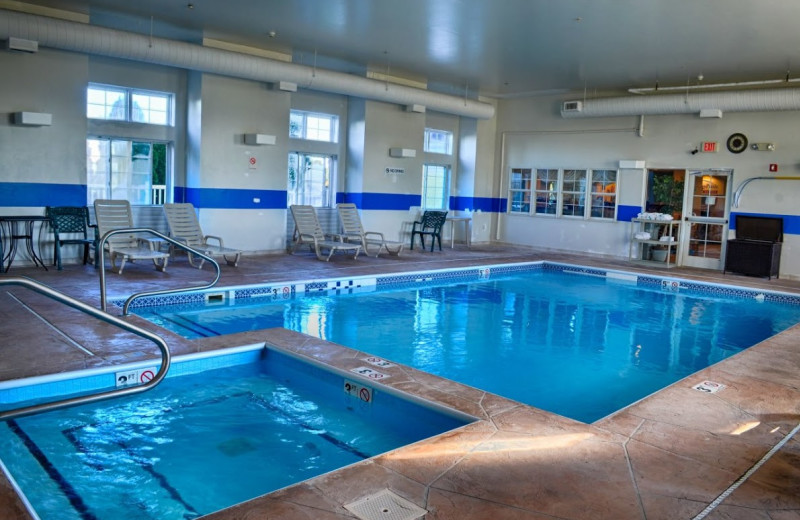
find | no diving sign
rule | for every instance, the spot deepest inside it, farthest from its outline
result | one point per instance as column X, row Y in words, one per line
column 364, row 393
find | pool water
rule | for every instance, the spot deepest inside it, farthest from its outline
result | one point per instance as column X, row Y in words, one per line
column 578, row 346
column 199, row 443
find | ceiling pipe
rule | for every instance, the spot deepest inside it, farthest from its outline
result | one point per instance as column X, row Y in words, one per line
column 712, row 86
column 765, row 100
column 90, row 39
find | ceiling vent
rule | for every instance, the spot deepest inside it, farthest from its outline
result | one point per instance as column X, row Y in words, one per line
column 572, row 106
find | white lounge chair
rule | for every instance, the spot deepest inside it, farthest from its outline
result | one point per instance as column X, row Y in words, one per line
column 116, row 214
column 353, row 231
column 184, row 227
column 307, row 230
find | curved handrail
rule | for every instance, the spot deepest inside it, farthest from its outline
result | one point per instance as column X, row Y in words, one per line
column 113, row 320
column 101, row 261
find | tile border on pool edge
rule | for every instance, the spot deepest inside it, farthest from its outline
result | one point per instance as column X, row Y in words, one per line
column 369, row 283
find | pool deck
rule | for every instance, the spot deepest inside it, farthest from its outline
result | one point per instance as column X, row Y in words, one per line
column 673, row 455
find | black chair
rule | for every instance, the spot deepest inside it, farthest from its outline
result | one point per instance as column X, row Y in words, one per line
column 69, row 220
column 431, row 224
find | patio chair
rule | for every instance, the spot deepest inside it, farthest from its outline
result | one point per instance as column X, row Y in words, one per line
column 184, row 227
column 69, row 220
column 431, row 224
column 116, row 214
column 307, row 230
column 352, row 230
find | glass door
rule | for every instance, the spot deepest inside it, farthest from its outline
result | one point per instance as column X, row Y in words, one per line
column 706, row 212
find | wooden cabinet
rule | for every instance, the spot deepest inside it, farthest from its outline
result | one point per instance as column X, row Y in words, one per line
column 653, row 250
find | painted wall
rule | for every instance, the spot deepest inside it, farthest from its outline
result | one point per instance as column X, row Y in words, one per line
column 35, row 159
column 240, row 189
column 531, row 133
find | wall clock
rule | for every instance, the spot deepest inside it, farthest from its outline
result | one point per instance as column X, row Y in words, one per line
column 737, row 143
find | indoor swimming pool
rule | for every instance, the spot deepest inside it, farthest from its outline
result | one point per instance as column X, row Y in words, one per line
column 218, row 431
column 578, row 342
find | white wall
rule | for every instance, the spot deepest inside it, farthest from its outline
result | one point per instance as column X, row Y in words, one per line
column 531, row 133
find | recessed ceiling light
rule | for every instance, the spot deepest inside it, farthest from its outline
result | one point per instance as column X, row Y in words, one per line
column 189, row 6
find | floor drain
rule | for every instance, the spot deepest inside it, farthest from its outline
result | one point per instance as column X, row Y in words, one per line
column 385, row 505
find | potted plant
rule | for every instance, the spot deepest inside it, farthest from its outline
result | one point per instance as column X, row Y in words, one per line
column 667, row 193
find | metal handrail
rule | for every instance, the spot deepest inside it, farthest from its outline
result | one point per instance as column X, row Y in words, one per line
column 102, row 262
column 113, row 320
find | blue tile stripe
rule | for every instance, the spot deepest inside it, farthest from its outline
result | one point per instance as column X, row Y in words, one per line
column 34, row 194
column 791, row 223
column 226, row 198
column 626, row 213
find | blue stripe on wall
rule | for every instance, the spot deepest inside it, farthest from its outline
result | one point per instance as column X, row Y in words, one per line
column 225, row 198
column 387, row 201
column 41, row 194
column 485, row 204
column 626, row 213
column 791, row 223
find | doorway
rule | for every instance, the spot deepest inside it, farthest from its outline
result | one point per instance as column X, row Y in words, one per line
column 705, row 218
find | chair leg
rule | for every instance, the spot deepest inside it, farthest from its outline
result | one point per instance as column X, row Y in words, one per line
column 85, row 253
column 57, row 254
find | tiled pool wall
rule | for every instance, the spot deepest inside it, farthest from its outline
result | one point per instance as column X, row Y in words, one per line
column 334, row 286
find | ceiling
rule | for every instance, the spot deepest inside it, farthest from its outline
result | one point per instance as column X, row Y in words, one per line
column 499, row 48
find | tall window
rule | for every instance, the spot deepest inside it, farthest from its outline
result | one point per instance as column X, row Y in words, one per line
column 604, row 193
column 136, row 171
column 546, row 191
column 127, row 104
column 573, row 193
column 314, row 126
column 435, row 186
column 311, row 179
column 438, row 141
column 520, row 190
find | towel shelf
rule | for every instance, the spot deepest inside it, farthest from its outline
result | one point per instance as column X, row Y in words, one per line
column 654, row 251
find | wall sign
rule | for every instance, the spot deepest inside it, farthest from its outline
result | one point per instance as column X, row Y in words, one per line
column 394, row 171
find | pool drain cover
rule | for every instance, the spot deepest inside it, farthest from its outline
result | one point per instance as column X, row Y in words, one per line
column 385, row 505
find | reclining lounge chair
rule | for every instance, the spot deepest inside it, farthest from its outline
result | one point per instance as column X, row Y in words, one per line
column 307, row 230
column 353, row 231
column 116, row 214
column 184, row 227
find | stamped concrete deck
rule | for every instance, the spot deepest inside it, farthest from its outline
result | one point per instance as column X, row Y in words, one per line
column 674, row 455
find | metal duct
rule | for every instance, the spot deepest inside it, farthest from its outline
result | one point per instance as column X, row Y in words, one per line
column 768, row 100
column 89, row 39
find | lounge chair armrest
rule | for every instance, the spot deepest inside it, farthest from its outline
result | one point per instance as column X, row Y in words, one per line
column 374, row 233
column 206, row 238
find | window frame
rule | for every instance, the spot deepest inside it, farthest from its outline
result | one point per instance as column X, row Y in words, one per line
column 303, row 133
column 428, row 139
column 112, row 172
column 129, row 106
column 550, row 193
column 445, row 188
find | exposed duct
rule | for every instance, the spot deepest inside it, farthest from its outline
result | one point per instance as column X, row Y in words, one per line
column 90, row 39
column 767, row 100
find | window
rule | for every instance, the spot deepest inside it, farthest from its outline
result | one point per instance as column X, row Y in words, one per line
column 563, row 193
column 546, row 191
column 438, row 141
column 136, row 171
column 311, row 179
column 131, row 105
column 313, row 126
column 573, row 193
column 520, row 191
column 435, row 186
column 604, row 193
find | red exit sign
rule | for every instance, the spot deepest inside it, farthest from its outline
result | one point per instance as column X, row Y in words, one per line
column 709, row 146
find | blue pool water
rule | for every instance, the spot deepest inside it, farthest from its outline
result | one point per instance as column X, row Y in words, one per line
column 198, row 443
column 579, row 346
